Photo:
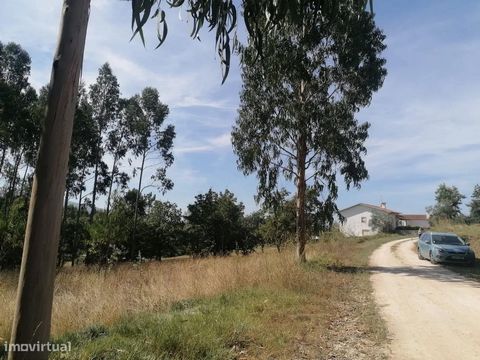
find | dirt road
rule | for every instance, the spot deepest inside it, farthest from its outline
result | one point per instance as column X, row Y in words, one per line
column 431, row 312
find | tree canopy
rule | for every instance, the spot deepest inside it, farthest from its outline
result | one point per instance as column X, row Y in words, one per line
column 448, row 201
column 475, row 205
column 215, row 225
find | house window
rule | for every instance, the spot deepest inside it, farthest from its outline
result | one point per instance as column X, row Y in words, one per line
column 364, row 220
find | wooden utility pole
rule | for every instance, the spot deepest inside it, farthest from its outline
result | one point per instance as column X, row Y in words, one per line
column 32, row 317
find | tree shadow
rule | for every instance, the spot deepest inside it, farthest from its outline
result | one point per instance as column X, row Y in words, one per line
column 442, row 273
column 347, row 269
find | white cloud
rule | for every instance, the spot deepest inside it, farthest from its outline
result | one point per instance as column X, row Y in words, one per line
column 215, row 143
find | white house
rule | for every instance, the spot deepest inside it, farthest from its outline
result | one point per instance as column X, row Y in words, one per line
column 357, row 219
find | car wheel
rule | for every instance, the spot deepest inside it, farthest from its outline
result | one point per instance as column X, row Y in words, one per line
column 432, row 260
column 420, row 255
column 471, row 263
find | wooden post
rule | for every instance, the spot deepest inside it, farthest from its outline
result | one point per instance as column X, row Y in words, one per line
column 32, row 317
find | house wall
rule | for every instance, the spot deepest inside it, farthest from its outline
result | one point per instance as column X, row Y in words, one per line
column 422, row 223
column 353, row 225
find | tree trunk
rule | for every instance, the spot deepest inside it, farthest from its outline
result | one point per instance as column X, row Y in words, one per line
column 65, row 204
column 13, row 184
column 301, row 237
column 94, row 192
column 2, row 159
column 23, row 180
column 60, row 259
column 77, row 225
column 132, row 245
column 111, row 184
column 32, row 318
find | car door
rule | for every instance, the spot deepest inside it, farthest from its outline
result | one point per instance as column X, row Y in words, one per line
column 427, row 245
column 423, row 245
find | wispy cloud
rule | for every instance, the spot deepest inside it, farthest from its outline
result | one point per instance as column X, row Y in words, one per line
column 215, row 143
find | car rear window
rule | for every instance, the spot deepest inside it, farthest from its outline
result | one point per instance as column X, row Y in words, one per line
column 447, row 240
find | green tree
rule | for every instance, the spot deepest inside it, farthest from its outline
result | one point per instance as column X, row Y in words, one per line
column 448, row 200
column 475, row 205
column 151, row 140
column 110, row 235
column 12, row 229
column 106, row 243
column 163, row 236
column 104, row 98
column 298, row 106
column 280, row 220
column 82, row 158
column 118, row 143
column 19, row 121
column 214, row 224
column 74, row 234
column 252, row 234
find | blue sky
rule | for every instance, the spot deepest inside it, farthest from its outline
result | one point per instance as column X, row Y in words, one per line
column 425, row 120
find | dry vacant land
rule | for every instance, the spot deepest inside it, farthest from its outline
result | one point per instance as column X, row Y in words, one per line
column 262, row 306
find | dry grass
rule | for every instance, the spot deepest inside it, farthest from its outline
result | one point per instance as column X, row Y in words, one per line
column 312, row 304
column 106, row 295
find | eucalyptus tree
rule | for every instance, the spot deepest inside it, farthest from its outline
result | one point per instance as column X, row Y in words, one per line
column 19, row 119
column 152, row 142
column 104, row 98
column 16, row 98
column 15, row 64
column 81, row 160
column 298, row 105
column 117, row 144
column 24, row 138
column 83, row 154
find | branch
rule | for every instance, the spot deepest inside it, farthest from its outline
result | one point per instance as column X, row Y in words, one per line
column 308, row 162
column 313, row 175
column 149, row 166
column 286, row 169
column 287, row 152
column 292, row 138
column 333, row 93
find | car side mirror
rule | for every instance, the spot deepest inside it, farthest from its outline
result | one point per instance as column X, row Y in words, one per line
column 467, row 243
column 428, row 242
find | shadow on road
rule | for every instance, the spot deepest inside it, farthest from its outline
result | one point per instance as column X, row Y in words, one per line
column 438, row 272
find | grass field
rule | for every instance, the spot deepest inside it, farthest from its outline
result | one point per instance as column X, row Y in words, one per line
column 240, row 307
column 471, row 233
